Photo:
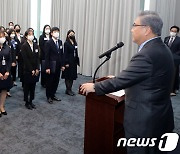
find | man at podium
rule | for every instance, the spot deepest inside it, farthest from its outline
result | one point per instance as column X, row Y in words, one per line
column 147, row 83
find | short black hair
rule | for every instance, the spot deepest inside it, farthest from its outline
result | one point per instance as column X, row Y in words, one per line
column 54, row 29
column 17, row 25
column 10, row 23
column 175, row 27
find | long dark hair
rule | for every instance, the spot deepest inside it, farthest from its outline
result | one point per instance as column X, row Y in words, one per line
column 44, row 30
column 68, row 39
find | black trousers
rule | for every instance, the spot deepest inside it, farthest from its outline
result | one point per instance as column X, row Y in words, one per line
column 13, row 72
column 142, row 150
column 43, row 77
column 52, row 81
column 29, row 89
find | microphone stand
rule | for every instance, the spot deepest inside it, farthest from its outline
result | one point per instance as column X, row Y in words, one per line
column 107, row 58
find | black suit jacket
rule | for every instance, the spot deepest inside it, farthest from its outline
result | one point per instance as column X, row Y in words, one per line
column 6, row 53
column 42, row 40
column 52, row 53
column 30, row 58
column 175, row 47
column 147, row 84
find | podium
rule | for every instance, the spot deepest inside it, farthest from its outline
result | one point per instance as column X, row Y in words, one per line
column 103, row 124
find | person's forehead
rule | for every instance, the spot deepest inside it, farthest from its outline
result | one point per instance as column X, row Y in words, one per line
column 30, row 32
column 174, row 29
column 71, row 33
column 137, row 20
column 55, row 31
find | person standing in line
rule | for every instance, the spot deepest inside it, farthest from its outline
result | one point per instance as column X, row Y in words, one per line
column 30, row 55
column 42, row 40
column 5, row 67
column 14, row 49
column 173, row 42
column 11, row 25
column 71, row 60
column 53, row 64
column 18, row 39
column 147, row 82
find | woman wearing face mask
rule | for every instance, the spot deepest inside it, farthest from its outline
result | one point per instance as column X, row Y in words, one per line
column 30, row 55
column 46, row 35
column 71, row 60
column 19, row 38
column 5, row 66
column 14, row 49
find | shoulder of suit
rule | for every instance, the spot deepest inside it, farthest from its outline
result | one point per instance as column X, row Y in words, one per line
column 5, row 46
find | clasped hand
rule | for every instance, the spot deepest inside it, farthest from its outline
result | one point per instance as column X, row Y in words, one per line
column 5, row 76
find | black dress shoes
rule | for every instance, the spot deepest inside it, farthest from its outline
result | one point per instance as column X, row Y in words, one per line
column 69, row 92
column 50, row 101
column 4, row 113
column 33, row 106
column 28, row 106
column 56, row 99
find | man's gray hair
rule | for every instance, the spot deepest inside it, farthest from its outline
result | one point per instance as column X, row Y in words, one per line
column 152, row 19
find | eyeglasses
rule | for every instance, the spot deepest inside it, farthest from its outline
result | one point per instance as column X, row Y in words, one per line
column 135, row 25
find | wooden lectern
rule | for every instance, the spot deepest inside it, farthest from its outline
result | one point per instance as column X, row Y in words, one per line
column 103, row 124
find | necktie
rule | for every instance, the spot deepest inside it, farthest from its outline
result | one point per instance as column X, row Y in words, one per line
column 170, row 41
column 57, row 45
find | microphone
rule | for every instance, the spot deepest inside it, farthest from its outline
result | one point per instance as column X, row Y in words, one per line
column 107, row 53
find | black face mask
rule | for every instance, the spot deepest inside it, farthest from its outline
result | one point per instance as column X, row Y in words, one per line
column 17, row 30
column 72, row 37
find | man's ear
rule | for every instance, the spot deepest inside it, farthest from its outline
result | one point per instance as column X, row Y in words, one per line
column 148, row 30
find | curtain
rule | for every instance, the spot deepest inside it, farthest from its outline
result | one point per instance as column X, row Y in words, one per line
column 17, row 11
column 166, row 9
column 99, row 25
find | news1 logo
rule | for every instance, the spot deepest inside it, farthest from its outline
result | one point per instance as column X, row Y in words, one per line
column 168, row 142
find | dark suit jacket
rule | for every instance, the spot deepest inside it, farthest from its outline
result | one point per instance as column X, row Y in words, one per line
column 30, row 58
column 42, row 40
column 52, row 53
column 6, row 53
column 175, row 47
column 147, row 84
column 71, row 58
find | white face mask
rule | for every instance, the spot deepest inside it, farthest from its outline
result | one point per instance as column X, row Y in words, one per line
column 11, row 27
column 2, row 40
column 12, row 36
column 172, row 34
column 30, row 37
column 56, row 34
column 47, row 31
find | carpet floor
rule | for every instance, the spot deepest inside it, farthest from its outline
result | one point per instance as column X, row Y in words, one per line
column 56, row 128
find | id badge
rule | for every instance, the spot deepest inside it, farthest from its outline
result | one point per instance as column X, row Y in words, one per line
column 3, row 62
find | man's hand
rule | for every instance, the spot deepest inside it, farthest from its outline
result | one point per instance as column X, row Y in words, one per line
column 33, row 73
column 67, row 65
column 111, row 76
column 48, row 71
column 62, row 68
column 13, row 64
column 87, row 88
column 1, row 77
column 6, row 75
column 37, row 72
